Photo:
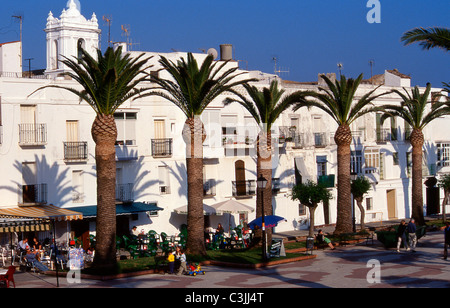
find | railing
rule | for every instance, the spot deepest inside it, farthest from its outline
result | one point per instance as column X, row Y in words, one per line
column 326, row 180
column 75, row 151
column 162, row 147
column 320, row 140
column 33, row 194
column 22, row 75
column 386, row 134
column 244, row 188
column 32, row 134
column 124, row 192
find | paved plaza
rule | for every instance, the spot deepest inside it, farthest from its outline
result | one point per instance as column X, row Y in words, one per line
column 358, row 266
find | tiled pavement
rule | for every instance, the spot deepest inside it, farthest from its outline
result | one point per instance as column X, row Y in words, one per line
column 345, row 267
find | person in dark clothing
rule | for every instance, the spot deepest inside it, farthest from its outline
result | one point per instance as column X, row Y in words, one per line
column 401, row 236
column 412, row 236
column 446, row 239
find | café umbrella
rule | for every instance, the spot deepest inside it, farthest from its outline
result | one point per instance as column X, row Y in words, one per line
column 231, row 207
column 269, row 220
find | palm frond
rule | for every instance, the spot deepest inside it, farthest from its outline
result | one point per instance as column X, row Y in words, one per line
column 434, row 37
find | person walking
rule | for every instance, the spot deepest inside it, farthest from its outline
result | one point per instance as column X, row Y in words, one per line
column 412, row 236
column 401, row 236
column 446, row 239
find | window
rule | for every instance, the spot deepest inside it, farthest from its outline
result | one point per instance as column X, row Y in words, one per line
column 409, row 163
column 164, row 184
column 321, row 165
column 356, row 162
column 395, row 158
column 77, row 186
column 443, row 154
column 372, row 158
column 126, row 128
column 369, row 204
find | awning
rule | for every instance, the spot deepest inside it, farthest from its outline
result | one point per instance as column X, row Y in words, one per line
column 23, row 225
column 90, row 211
column 43, row 212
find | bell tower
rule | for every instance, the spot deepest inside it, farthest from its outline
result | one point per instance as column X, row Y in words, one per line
column 66, row 34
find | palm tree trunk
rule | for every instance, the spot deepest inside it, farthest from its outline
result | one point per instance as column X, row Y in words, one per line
column 264, row 168
column 417, row 141
column 104, row 133
column 194, row 136
column 343, row 139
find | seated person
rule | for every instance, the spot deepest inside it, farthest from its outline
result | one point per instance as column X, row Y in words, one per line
column 31, row 258
column 322, row 239
column 23, row 245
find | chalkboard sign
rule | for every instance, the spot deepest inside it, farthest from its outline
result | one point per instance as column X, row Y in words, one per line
column 277, row 249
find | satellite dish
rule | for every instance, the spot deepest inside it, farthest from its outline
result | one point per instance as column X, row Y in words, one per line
column 213, row 52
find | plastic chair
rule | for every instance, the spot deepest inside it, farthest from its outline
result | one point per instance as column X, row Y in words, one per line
column 9, row 276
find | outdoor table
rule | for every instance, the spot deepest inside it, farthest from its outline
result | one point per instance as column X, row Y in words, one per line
column 3, row 272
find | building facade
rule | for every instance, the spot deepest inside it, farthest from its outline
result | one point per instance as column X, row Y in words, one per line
column 47, row 152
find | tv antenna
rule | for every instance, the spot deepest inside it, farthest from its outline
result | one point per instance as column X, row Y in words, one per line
column 275, row 70
column 371, row 63
column 340, row 66
column 20, row 18
column 126, row 32
column 108, row 20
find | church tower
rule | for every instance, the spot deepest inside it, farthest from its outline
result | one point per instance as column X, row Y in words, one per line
column 66, row 34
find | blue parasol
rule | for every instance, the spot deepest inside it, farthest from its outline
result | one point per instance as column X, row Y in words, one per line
column 270, row 221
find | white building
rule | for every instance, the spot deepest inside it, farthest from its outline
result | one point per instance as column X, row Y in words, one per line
column 47, row 151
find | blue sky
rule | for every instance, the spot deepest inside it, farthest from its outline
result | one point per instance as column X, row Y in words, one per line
column 307, row 37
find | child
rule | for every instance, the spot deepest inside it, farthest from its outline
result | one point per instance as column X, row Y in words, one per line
column 171, row 260
column 182, row 257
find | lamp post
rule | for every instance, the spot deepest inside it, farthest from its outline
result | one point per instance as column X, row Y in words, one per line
column 261, row 183
column 353, row 176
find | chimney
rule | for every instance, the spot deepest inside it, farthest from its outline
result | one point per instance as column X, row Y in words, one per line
column 226, row 52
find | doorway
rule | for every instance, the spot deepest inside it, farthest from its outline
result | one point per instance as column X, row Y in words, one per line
column 239, row 169
column 391, row 204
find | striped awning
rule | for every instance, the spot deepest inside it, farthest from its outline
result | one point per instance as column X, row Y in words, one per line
column 40, row 212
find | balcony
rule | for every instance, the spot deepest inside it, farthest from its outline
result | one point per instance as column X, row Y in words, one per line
column 385, row 135
column 320, row 140
column 162, row 147
column 32, row 134
column 326, row 180
column 75, row 151
column 33, row 194
column 124, row 192
column 244, row 189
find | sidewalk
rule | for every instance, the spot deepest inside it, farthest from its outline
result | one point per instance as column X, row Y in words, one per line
column 345, row 267
column 293, row 235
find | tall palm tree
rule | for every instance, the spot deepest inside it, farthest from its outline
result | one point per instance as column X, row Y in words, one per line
column 106, row 83
column 338, row 100
column 191, row 89
column 266, row 106
column 413, row 110
column 433, row 37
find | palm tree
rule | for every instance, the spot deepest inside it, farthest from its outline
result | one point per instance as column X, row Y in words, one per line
column 191, row 89
column 433, row 37
column 338, row 101
column 106, row 83
column 360, row 187
column 310, row 195
column 444, row 183
column 413, row 110
column 266, row 106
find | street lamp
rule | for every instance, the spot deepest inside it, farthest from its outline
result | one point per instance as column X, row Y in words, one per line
column 261, row 183
column 353, row 177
